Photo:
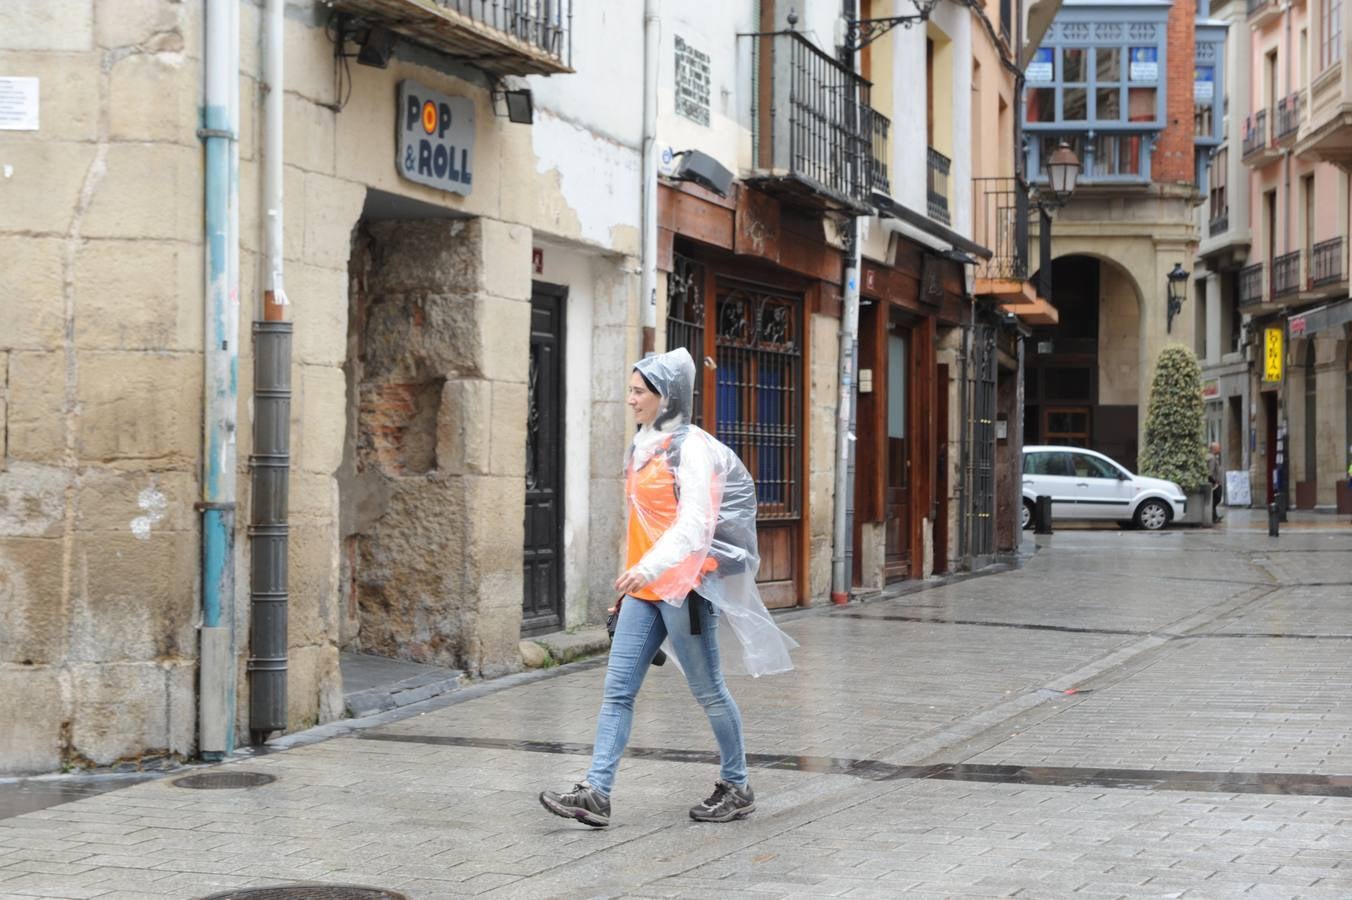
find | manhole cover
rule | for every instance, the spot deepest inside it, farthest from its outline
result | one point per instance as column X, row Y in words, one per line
column 206, row 781
column 310, row 892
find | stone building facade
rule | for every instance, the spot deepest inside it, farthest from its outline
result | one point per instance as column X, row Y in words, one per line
column 459, row 357
column 412, row 311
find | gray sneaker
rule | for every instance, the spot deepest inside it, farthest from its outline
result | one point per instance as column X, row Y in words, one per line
column 583, row 802
column 727, row 802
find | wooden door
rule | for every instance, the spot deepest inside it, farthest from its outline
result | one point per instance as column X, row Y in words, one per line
column 897, row 461
column 542, row 596
column 1066, row 426
column 755, row 406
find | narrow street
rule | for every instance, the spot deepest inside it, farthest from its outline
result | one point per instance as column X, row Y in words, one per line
column 1128, row 714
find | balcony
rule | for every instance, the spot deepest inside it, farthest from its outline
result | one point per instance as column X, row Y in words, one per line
column 818, row 143
column 1000, row 209
column 1108, row 158
column 1251, row 285
column 1288, row 120
column 1220, row 224
column 877, row 162
column 937, row 191
column 1327, row 276
column 503, row 37
column 1327, row 135
column 1263, row 11
column 1258, row 149
column 1286, row 276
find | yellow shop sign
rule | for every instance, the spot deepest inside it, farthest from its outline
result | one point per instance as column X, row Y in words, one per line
column 1272, row 354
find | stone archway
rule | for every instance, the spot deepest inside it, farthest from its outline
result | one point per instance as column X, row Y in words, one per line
column 1083, row 375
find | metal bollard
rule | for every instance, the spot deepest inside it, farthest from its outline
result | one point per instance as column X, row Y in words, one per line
column 1274, row 519
column 1042, row 515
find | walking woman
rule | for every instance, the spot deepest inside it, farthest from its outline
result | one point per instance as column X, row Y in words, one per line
column 691, row 567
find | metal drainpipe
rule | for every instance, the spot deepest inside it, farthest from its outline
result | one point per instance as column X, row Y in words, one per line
column 271, row 459
column 841, row 531
column 652, row 35
column 220, row 134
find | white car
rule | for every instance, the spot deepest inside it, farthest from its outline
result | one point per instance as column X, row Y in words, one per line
column 1084, row 484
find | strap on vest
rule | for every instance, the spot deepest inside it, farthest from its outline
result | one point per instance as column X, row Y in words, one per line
column 692, row 600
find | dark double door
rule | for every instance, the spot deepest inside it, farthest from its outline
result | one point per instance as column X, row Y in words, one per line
column 542, row 596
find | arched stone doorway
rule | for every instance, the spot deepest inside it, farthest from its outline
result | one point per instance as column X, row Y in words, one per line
column 1082, row 375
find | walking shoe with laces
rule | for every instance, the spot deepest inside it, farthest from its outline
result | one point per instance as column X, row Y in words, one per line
column 727, row 802
column 583, row 802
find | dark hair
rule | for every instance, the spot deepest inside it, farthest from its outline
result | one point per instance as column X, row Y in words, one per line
column 648, row 384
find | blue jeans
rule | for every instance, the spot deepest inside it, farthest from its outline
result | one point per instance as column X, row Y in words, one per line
column 639, row 632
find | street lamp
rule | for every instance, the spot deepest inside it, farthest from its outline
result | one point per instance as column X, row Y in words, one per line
column 1063, row 171
column 1177, row 279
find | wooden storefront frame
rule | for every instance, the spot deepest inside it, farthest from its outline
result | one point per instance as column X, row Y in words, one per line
column 749, row 238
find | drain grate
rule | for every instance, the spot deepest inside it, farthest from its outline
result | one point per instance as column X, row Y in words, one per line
column 218, row 781
column 309, row 892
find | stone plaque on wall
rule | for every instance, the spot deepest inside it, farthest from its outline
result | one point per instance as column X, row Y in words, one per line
column 692, row 82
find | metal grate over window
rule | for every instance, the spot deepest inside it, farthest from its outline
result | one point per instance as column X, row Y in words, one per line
column 759, row 344
column 685, row 320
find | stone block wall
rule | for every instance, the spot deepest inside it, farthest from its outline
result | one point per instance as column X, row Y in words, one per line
column 824, row 383
column 101, row 364
column 433, row 484
column 100, row 232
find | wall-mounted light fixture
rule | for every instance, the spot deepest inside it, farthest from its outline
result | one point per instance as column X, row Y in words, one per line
column 376, row 47
column 1178, row 280
column 703, row 170
column 520, row 104
column 1063, row 172
column 859, row 33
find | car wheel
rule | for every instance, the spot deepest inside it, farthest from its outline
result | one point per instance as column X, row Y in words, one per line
column 1027, row 518
column 1152, row 515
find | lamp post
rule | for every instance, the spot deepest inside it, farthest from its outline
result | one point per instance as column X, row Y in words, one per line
column 1063, row 174
column 1177, row 279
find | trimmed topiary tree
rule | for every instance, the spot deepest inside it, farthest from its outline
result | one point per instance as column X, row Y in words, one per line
column 1173, row 425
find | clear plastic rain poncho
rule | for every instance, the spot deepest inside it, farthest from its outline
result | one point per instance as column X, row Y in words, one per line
column 710, row 547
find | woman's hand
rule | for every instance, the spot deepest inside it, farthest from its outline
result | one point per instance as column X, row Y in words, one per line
column 629, row 582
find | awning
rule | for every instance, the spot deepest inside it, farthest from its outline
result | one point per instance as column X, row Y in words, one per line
column 1321, row 318
column 889, row 208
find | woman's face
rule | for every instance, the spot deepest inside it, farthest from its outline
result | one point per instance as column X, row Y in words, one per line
column 643, row 402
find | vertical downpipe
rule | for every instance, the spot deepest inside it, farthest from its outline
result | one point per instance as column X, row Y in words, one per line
column 652, row 35
column 219, row 133
column 271, row 459
column 849, row 331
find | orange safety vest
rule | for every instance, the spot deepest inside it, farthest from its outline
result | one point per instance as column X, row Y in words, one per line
column 653, row 487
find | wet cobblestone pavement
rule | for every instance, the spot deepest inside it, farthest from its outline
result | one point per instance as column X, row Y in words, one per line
column 1128, row 715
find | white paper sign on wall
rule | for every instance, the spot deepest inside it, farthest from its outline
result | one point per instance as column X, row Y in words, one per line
column 18, row 104
column 436, row 138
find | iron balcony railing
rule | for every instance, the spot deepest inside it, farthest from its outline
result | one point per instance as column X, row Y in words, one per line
column 1251, row 285
column 881, row 150
column 937, row 194
column 1255, row 133
column 1326, row 263
column 1257, row 5
column 1000, row 222
column 544, row 24
column 819, row 131
column 1288, row 117
column 1286, row 275
column 1220, row 224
